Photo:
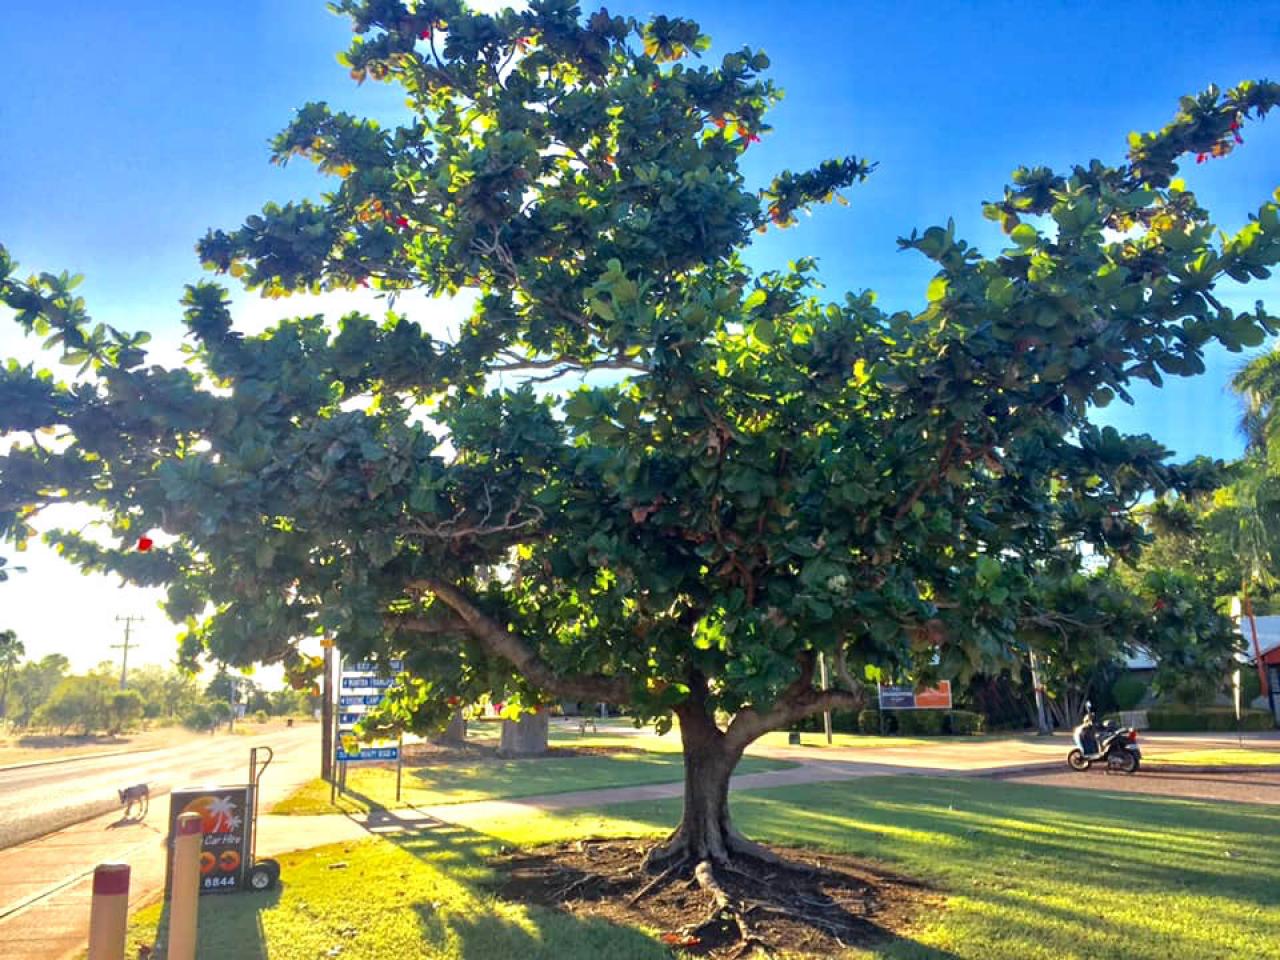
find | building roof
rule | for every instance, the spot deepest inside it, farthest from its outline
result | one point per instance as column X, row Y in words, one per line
column 1268, row 635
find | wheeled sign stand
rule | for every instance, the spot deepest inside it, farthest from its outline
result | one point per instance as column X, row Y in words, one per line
column 263, row 874
column 229, row 826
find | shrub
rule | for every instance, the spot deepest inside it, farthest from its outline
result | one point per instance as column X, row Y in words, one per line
column 869, row 721
column 198, row 717
column 1250, row 685
column 1128, row 691
column 1223, row 720
column 919, row 722
column 259, row 716
column 964, row 722
column 841, row 722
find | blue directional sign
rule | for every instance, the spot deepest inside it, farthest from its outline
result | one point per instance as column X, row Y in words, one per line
column 373, row 666
column 360, row 700
column 369, row 753
column 366, row 683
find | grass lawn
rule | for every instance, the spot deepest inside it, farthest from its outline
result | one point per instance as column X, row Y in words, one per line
column 462, row 781
column 1030, row 873
column 1225, row 757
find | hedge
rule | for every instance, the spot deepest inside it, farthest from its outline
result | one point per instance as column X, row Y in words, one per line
column 921, row 722
column 1223, row 720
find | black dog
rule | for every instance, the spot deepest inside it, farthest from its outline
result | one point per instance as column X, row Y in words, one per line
column 138, row 794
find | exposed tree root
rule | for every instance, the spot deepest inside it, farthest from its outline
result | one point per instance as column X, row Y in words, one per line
column 725, row 909
column 733, row 910
column 655, row 882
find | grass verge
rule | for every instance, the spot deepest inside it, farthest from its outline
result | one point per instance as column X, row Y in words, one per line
column 464, row 781
column 1031, row 873
column 1225, row 757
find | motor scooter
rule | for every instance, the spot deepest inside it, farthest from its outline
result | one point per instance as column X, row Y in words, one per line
column 1096, row 742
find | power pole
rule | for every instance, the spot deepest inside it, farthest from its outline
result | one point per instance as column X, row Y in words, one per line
column 326, row 713
column 124, row 657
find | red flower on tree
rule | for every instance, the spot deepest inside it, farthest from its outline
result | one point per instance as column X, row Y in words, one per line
column 145, row 544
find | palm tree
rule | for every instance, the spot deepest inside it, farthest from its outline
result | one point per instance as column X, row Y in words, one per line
column 11, row 651
column 1258, row 384
column 1253, row 539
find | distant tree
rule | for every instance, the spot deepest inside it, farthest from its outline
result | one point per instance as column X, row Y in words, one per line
column 288, row 701
column 124, row 709
column 256, row 699
column 220, row 710
column 11, row 652
column 79, row 701
column 231, row 687
column 34, row 683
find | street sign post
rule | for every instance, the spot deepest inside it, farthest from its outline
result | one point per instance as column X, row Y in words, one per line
column 362, row 685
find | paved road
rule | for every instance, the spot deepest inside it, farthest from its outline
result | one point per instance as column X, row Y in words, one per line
column 45, row 883
column 36, row 800
column 1233, row 784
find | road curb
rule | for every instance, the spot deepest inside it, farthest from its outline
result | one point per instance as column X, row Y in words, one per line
column 1034, row 766
column 81, row 756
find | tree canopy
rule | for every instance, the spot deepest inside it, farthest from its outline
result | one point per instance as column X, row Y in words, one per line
column 704, row 476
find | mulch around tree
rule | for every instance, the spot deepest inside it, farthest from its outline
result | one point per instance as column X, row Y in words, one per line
column 817, row 906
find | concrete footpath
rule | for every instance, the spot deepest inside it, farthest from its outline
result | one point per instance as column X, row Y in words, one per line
column 44, row 884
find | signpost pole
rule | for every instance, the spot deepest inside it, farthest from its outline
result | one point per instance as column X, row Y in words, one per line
column 399, row 765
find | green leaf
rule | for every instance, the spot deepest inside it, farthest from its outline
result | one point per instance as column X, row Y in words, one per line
column 1025, row 235
column 937, row 289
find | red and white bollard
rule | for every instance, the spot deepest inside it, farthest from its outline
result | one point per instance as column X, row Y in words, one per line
column 184, row 888
column 109, row 914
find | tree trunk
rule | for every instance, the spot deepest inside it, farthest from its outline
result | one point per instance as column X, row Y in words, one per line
column 705, row 831
column 526, row 737
column 456, row 733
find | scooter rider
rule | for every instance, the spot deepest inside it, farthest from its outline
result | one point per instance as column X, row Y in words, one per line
column 1089, row 736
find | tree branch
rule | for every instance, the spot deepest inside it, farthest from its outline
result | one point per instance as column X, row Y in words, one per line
column 750, row 723
column 501, row 642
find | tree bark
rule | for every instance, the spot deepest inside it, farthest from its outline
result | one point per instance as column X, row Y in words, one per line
column 456, row 733
column 705, row 831
column 526, row 737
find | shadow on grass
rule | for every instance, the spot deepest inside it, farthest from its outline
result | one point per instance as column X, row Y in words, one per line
column 228, row 925
column 1140, row 844
column 502, row 928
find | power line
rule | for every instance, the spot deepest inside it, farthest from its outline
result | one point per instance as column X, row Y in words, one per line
column 124, row 658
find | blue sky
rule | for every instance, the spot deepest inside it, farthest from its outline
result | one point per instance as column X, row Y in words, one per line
column 126, row 130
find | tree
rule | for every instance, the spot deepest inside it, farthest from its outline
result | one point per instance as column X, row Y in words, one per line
column 124, row 709
column 79, row 701
column 11, row 652
column 166, row 693
column 708, row 476
column 34, row 683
